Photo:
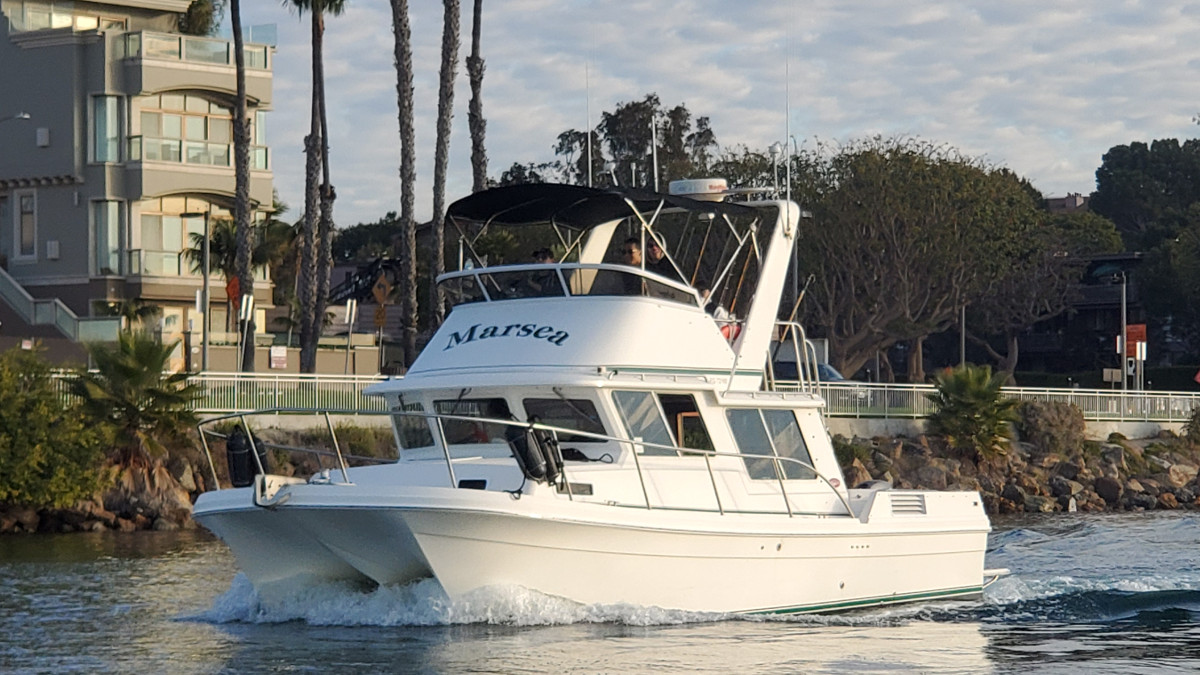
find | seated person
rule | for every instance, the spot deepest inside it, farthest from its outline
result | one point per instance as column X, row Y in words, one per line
column 631, row 252
column 657, row 262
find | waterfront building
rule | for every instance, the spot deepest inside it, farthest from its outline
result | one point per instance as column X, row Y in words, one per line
column 116, row 145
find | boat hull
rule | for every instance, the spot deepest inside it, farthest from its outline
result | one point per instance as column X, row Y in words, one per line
column 592, row 553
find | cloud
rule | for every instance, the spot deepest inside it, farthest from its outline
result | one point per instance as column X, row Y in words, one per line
column 1042, row 88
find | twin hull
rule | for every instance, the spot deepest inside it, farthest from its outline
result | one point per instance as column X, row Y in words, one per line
column 595, row 553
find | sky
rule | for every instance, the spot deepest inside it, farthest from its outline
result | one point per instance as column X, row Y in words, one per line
column 1043, row 88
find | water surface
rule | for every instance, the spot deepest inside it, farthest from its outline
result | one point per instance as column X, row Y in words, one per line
column 1113, row 593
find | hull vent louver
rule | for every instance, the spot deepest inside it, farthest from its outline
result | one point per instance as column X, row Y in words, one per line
column 908, row 505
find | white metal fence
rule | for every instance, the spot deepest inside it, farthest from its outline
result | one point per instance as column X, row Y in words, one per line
column 244, row 392
column 846, row 399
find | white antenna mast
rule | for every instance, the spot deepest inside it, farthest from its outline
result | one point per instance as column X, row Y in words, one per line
column 587, row 130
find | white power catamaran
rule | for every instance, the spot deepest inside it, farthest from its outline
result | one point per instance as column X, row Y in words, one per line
column 610, row 433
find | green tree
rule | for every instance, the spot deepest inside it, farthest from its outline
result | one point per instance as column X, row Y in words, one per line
column 971, row 412
column 201, row 18
column 367, row 241
column 130, row 393
column 904, row 233
column 50, row 453
column 270, row 241
column 1041, row 281
column 1147, row 189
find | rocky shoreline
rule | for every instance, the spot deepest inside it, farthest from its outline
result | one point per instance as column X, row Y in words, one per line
column 1118, row 475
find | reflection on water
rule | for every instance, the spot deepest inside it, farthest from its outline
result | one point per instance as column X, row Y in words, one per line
column 1089, row 593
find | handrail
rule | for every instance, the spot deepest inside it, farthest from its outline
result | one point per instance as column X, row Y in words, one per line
column 448, row 458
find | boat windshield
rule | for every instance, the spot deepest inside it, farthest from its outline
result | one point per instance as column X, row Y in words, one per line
column 514, row 282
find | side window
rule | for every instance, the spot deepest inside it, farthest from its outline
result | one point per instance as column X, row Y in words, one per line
column 643, row 419
column 685, row 421
column 789, row 442
column 412, row 431
column 752, row 439
column 465, row 432
column 771, row 433
column 574, row 413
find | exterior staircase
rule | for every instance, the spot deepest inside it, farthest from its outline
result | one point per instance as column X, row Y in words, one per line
column 53, row 312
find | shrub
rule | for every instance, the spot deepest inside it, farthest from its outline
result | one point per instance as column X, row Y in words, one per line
column 970, row 411
column 849, row 450
column 1191, row 428
column 50, row 453
column 1053, row 427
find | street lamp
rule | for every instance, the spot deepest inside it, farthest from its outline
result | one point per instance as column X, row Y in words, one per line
column 203, row 293
column 19, row 116
column 1124, row 329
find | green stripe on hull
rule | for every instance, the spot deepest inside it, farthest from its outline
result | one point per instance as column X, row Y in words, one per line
column 873, row 602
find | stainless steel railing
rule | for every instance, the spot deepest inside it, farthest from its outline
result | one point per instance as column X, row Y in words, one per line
column 438, row 419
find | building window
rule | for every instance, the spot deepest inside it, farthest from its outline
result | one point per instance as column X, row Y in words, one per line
column 165, row 235
column 185, row 128
column 106, row 129
column 106, row 224
column 25, row 226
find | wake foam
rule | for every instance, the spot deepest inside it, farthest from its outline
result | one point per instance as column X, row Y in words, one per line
column 424, row 603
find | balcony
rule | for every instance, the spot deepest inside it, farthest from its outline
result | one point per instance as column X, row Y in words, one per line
column 161, row 166
column 145, row 262
column 146, row 148
column 167, row 61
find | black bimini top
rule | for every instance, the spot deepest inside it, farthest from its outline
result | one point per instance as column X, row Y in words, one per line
column 573, row 206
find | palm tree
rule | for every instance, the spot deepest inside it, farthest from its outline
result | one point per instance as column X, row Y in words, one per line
column 475, row 120
column 408, row 247
column 442, row 153
column 316, row 239
column 129, row 389
column 241, row 163
column 269, row 241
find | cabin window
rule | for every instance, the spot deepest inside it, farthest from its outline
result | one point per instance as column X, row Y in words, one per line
column 530, row 283
column 461, row 290
column 644, row 420
column 412, row 431
column 685, row 421
column 466, row 432
column 769, row 434
column 571, row 413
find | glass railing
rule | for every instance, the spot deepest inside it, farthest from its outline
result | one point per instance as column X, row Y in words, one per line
column 158, row 263
column 189, row 48
column 139, row 148
column 174, row 264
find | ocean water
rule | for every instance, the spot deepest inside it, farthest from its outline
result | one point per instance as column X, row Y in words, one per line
column 1116, row 593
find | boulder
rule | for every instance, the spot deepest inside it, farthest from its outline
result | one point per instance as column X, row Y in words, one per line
column 1134, row 485
column 1109, row 489
column 1039, row 504
column 1167, row 500
column 1140, row 501
column 1181, row 474
column 1069, row 470
column 1114, row 454
column 932, row 477
column 1062, row 487
column 1158, row 462
column 19, row 519
column 1013, row 494
column 856, row 474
